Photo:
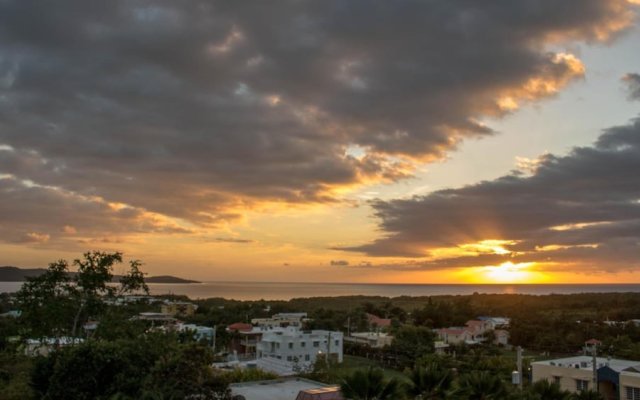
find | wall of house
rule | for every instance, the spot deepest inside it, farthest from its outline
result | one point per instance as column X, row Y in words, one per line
column 628, row 379
column 568, row 376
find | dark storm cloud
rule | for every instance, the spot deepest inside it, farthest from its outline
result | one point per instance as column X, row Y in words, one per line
column 198, row 110
column 583, row 209
column 633, row 83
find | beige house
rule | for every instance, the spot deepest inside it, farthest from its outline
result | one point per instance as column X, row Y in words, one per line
column 181, row 308
column 453, row 335
column 614, row 379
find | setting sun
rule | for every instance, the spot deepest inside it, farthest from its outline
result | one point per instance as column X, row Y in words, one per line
column 507, row 272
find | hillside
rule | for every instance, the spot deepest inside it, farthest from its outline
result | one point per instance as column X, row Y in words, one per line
column 15, row 274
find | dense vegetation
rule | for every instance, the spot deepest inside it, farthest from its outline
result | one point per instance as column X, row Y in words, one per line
column 126, row 359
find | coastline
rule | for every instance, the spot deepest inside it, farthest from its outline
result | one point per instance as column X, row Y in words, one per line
column 247, row 291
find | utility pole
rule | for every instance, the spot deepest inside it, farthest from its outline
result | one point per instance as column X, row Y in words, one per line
column 519, row 361
column 595, row 366
column 328, row 350
column 215, row 328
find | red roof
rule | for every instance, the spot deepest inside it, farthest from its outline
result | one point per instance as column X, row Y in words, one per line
column 240, row 326
column 381, row 322
column 593, row 341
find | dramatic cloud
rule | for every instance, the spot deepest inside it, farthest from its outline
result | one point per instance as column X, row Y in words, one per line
column 199, row 110
column 33, row 214
column 339, row 263
column 633, row 82
column 581, row 209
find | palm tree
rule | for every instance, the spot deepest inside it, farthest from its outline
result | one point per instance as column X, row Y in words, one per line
column 430, row 382
column 550, row 391
column 370, row 384
column 481, row 385
column 587, row 395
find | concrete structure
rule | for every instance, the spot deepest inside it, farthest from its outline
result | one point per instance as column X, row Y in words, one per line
column 616, row 379
column 373, row 339
column 11, row 314
column 327, row 393
column 285, row 389
column 178, row 308
column 454, row 335
column 204, row 333
column 281, row 320
column 156, row 317
column 44, row 346
column 440, row 347
column 244, row 339
column 475, row 331
column 496, row 322
column 286, row 351
column 477, row 328
column 501, row 337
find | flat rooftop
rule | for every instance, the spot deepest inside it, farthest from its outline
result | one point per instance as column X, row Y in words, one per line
column 276, row 389
column 585, row 362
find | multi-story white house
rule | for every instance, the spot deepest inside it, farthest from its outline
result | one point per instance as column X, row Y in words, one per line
column 286, row 351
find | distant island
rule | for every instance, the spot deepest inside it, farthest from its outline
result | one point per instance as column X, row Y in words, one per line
column 15, row 274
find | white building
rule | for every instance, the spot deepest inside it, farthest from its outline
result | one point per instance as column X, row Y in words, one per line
column 199, row 332
column 44, row 346
column 281, row 320
column 373, row 339
column 496, row 322
column 286, row 351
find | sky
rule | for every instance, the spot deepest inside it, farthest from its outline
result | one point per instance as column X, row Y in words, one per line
column 449, row 141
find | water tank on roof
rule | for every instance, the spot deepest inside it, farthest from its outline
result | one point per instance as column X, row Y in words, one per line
column 515, row 378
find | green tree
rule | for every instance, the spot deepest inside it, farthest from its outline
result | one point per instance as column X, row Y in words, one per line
column 186, row 374
column 551, row 391
column 587, row 395
column 430, row 382
column 481, row 385
column 370, row 384
column 411, row 342
column 58, row 302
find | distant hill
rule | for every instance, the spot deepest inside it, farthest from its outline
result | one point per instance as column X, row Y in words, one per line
column 14, row 274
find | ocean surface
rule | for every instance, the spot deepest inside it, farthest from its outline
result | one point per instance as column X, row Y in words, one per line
column 287, row 291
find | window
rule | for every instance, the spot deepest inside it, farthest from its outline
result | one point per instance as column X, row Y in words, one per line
column 632, row 393
column 291, row 345
column 289, row 358
column 316, row 344
column 307, row 357
column 556, row 380
column 582, row 384
column 303, row 344
column 337, row 343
